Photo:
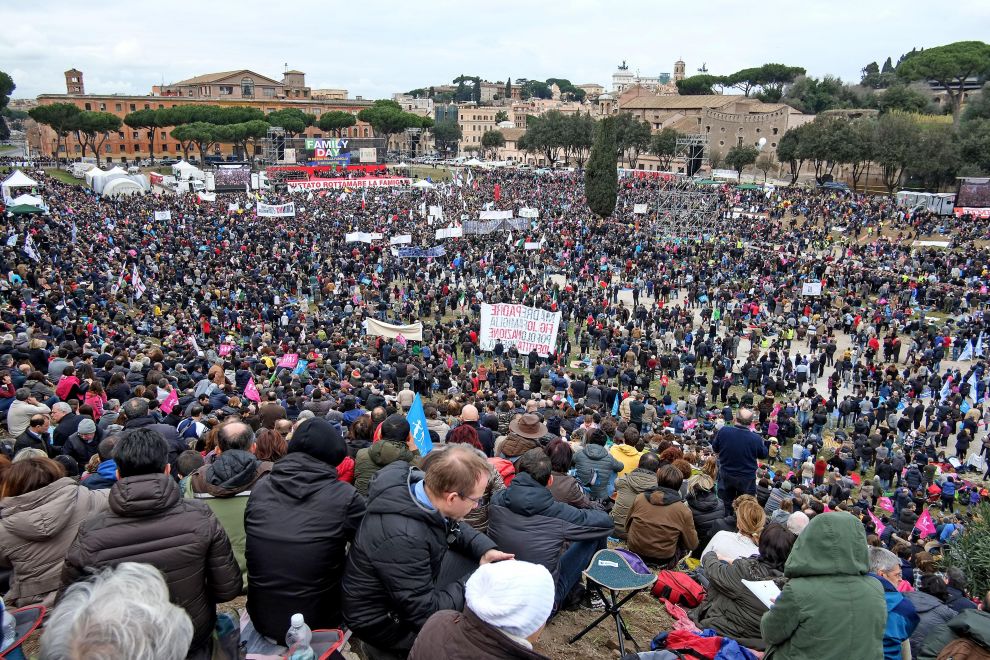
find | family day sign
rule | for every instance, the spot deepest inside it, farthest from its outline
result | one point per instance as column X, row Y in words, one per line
column 526, row 328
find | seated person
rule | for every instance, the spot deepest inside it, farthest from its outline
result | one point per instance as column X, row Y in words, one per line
column 630, row 486
column 659, row 527
column 730, row 608
column 750, row 519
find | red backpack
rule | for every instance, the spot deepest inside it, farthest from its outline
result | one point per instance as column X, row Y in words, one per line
column 678, row 588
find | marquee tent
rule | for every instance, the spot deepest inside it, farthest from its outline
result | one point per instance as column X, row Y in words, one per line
column 184, row 170
column 16, row 180
column 423, row 183
column 100, row 182
column 121, row 186
column 30, row 200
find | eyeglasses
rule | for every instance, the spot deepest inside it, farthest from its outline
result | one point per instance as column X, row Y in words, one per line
column 478, row 501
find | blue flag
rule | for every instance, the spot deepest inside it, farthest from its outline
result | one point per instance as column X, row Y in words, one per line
column 300, row 367
column 417, row 427
column 615, row 405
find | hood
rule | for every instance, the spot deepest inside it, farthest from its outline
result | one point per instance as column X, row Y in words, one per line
column 107, row 469
column 143, row 495
column 641, row 481
column 40, row 514
column 525, row 496
column 233, row 472
column 595, row 452
column 390, row 493
column 386, row 452
column 704, row 502
column 300, row 475
column 626, row 450
column 832, row 544
column 664, row 497
column 923, row 602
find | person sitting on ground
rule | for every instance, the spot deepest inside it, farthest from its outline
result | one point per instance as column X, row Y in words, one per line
column 563, row 486
column 828, row 566
column 624, row 450
column 90, row 620
column 506, row 605
column 929, row 602
column 105, row 474
column 527, row 521
column 659, row 527
column 902, row 618
column 707, row 510
column 730, row 608
column 743, row 542
column 465, row 434
column 630, row 486
column 595, row 468
column 396, row 444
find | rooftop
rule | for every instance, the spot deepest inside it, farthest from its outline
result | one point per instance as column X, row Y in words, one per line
column 677, row 102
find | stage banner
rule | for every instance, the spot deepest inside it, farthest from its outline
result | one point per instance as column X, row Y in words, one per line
column 326, row 184
column 526, row 328
column 375, row 328
column 362, row 237
column 276, row 210
column 421, row 253
column 529, row 213
column 495, row 215
column 449, row 232
column 404, row 239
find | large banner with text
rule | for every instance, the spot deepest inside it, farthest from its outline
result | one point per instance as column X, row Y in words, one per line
column 526, row 328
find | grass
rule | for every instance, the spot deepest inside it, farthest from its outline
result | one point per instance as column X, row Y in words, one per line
column 63, row 176
column 7, row 147
column 436, row 174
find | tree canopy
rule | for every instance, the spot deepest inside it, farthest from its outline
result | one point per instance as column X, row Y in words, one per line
column 949, row 66
column 601, row 181
column 336, row 121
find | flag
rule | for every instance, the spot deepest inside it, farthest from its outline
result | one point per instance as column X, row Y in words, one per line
column 470, row 178
column 288, row 361
column 979, row 345
column 400, row 339
column 615, row 405
column 12, row 241
column 139, row 287
column 251, row 391
column 876, row 522
column 417, row 427
column 967, row 352
column 925, row 524
column 946, row 388
column 364, row 192
column 195, row 345
column 301, row 367
column 972, row 387
column 170, row 401
column 498, row 191
column 120, row 281
column 29, row 248
column 74, row 232
column 885, row 504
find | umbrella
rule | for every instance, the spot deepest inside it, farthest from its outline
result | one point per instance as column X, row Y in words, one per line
column 24, row 209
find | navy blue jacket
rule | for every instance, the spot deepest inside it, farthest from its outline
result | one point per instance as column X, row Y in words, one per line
column 738, row 450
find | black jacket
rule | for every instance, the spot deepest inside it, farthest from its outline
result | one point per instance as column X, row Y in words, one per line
column 526, row 520
column 297, row 523
column 390, row 587
column 81, row 450
column 707, row 509
column 149, row 522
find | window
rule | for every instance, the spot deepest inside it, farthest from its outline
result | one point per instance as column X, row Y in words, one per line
column 88, row 107
column 247, row 88
column 775, row 131
column 120, row 135
column 270, row 92
column 161, row 106
column 773, row 144
column 103, row 107
column 757, row 130
column 739, row 140
column 722, row 129
column 204, row 90
column 133, row 107
column 226, row 90
column 118, row 107
column 366, row 132
column 721, row 143
column 78, row 148
column 107, row 148
column 134, row 135
column 74, row 79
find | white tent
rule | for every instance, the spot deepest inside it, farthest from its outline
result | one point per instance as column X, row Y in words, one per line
column 401, row 166
column 91, row 175
column 183, row 170
column 423, row 183
column 16, row 180
column 30, row 200
column 474, row 162
column 121, row 186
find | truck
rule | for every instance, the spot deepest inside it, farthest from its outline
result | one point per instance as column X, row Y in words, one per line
column 190, row 186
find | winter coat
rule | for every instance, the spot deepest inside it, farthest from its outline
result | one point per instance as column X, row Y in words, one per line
column 828, row 590
column 104, row 477
column 390, row 586
column 80, row 449
column 595, row 463
column 450, row 635
column 225, row 485
column 729, row 608
column 175, row 444
column 566, row 490
column 35, row 532
column 627, row 489
column 660, row 524
column 932, row 613
column 902, row 619
column 297, row 522
column 913, row 478
column 971, row 624
column 628, row 456
column 148, row 521
column 707, row 510
column 525, row 519
column 370, row 460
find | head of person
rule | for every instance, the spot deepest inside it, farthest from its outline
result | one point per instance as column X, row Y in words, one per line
column 775, row 545
column 188, row 462
column 649, row 462
column 105, row 449
column 235, row 435
column 536, row 464
column 701, row 484
column 320, row 439
column 515, row 597
column 744, row 417
column 561, row 456
column 464, row 434
column 121, row 612
column 885, row 563
column 135, row 408
column 86, row 430
column 670, row 477
column 456, row 480
column 750, row 516
column 141, row 451
column 395, row 428
column 269, row 445
column 39, row 423
column 60, row 410
column 29, row 475
column 933, row 585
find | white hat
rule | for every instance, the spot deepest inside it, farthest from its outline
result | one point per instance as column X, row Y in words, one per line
column 514, row 596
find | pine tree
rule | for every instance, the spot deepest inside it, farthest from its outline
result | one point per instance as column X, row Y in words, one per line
column 601, row 179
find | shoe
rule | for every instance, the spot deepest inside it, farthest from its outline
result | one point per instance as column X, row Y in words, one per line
column 593, row 601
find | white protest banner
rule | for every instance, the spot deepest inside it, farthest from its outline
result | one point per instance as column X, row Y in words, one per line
column 449, row 232
column 436, row 212
column 207, row 196
column 404, row 239
column 362, row 237
column 529, row 213
column 234, row 207
column 495, row 215
column 811, row 289
column 526, row 328
column 163, row 215
column 413, row 331
column 639, row 209
column 276, row 210
column 531, row 246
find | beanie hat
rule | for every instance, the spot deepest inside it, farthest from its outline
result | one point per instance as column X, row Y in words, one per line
column 514, row 596
column 87, row 426
column 320, row 439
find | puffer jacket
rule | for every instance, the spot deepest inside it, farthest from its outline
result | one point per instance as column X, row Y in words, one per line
column 628, row 456
column 35, row 533
column 594, row 462
column 297, row 522
column 452, row 635
column 627, row 488
column 729, row 608
column 390, row 583
column 526, row 520
column 659, row 525
column 368, row 461
column 148, row 521
column 932, row 612
column 707, row 510
column 225, row 485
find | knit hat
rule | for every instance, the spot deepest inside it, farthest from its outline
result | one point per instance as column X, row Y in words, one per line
column 320, row 439
column 87, row 426
column 514, row 596
column 780, row 517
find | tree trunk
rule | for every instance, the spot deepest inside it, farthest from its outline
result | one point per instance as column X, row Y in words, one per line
column 151, row 145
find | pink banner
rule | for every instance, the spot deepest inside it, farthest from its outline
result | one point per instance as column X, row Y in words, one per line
column 925, row 524
column 876, row 522
column 289, row 360
column 251, row 391
column 885, row 504
column 225, row 349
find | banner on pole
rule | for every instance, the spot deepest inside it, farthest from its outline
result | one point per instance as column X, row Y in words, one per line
column 811, row 289
column 421, row 253
column 276, row 210
column 526, row 328
column 404, row 239
column 411, row 332
column 495, row 215
column 529, row 213
column 362, row 237
column 639, row 209
column 449, row 232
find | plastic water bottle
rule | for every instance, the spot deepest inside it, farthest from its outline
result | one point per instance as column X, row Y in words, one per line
column 9, row 627
column 298, row 640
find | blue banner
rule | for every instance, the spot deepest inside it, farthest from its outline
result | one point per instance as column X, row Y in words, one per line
column 421, row 253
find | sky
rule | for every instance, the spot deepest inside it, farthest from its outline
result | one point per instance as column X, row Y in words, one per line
column 376, row 49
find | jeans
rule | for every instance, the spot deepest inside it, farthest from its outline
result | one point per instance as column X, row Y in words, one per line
column 729, row 488
column 574, row 560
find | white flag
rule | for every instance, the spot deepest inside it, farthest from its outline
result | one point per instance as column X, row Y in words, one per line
column 979, row 346
column 136, row 282
column 29, row 248
column 967, row 352
column 12, row 241
column 120, row 281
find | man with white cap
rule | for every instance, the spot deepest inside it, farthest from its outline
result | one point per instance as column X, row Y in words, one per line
column 506, row 605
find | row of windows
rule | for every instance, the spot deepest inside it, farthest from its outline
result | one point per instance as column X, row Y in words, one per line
column 119, row 107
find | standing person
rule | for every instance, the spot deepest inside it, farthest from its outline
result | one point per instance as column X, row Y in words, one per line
column 391, row 583
column 738, row 449
column 150, row 522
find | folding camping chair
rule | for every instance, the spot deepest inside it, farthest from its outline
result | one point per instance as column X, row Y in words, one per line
column 27, row 621
column 610, row 571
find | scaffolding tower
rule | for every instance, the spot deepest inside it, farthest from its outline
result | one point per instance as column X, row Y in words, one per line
column 687, row 213
column 693, row 148
column 274, row 146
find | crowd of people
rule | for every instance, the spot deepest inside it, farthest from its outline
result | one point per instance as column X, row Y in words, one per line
column 699, row 407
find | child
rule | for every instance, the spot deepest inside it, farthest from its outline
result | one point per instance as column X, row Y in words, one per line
column 773, row 451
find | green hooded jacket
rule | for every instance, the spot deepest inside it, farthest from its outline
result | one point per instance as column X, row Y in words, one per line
column 830, row 608
column 370, row 460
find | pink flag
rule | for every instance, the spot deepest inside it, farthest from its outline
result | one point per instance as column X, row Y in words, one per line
column 876, row 522
column 925, row 524
column 251, row 391
column 170, row 402
column 289, row 360
column 400, row 339
column 885, row 504
column 225, row 349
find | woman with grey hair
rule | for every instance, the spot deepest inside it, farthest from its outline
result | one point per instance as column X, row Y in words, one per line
column 122, row 612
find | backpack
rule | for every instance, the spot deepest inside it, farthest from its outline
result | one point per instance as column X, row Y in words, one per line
column 964, row 649
column 678, row 588
column 187, row 429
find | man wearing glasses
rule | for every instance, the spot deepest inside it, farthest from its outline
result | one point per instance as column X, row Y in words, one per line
column 393, row 583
